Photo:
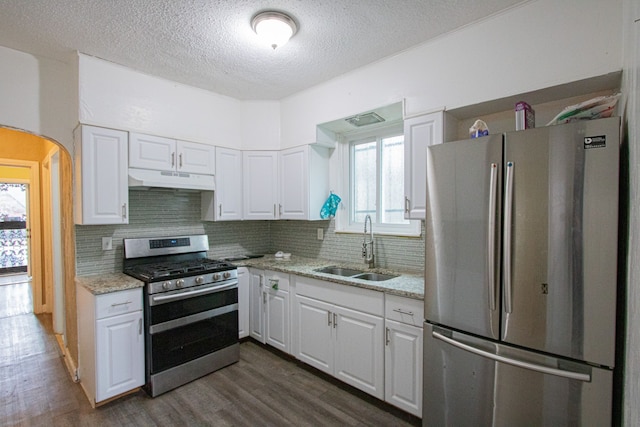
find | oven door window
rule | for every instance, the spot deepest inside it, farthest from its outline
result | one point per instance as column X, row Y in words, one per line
column 180, row 345
column 189, row 306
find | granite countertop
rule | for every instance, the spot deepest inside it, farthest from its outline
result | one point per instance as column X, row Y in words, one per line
column 105, row 283
column 407, row 285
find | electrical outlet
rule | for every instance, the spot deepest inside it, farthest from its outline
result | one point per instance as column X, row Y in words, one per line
column 107, row 243
column 320, row 234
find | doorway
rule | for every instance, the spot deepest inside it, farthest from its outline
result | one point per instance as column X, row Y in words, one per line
column 14, row 251
column 16, row 296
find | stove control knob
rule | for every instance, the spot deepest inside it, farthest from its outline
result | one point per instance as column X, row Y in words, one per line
column 199, row 280
column 216, row 276
column 166, row 285
column 226, row 274
column 179, row 283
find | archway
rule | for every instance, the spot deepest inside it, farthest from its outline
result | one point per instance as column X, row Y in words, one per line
column 53, row 269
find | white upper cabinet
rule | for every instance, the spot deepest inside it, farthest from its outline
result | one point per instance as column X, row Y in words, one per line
column 225, row 203
column 195, row 158
column 152, row 152
column 419, row 133
column 260, row 184
column 101, row 187
column 166, row 154
column 304, row 182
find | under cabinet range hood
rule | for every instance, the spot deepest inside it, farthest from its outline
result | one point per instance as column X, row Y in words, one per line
column 144, row 178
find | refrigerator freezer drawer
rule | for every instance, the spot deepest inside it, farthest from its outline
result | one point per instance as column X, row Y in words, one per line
column 474, row 382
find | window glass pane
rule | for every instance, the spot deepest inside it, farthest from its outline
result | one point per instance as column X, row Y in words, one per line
column 364, row 181
column 392, row 180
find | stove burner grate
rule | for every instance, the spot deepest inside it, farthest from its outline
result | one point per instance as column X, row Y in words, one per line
column 171, row 269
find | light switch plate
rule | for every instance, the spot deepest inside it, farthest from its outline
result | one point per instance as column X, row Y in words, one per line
column 320, row 234
column 107, row 243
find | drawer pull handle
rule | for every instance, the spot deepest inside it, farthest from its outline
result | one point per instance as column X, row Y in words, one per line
column 115, row 304
column 401, row 311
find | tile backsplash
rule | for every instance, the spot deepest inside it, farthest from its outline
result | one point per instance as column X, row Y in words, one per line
column 157, row 213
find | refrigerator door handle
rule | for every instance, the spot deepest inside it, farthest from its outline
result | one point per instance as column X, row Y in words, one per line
column 491, row 238
column 508, row 219
column 520, row 363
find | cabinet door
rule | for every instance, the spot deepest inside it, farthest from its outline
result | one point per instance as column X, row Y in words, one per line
column 260, row 184
column 256, row 316
column 359, row 351
column 314, row 333
column 227, row 199
column 119, row 355
column 152, row 152
column 244, row 290
column 195, row 158
column 277, row 319
column 294, row 183
column 102, row 189
column 403, row 366
column 419, row 133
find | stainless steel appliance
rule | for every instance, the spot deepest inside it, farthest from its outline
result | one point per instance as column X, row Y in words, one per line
column 190, row 310
column 520, row 277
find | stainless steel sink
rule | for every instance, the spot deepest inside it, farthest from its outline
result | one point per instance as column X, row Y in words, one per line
column 355, row 274
column 339, row 271
column 374, row 277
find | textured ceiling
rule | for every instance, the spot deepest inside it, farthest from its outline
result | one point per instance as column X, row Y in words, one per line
column 210, row 44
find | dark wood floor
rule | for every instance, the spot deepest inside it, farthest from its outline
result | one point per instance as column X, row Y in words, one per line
column 263, row 389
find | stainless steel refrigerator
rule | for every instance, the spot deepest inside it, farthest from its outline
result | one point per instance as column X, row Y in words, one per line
column 520, row 278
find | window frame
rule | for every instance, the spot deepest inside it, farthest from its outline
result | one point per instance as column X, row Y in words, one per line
column 343, row 218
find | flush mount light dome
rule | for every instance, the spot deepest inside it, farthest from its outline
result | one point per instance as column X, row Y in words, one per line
column 275, row 28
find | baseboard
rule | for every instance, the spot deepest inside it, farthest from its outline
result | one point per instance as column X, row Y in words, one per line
column 68, row 360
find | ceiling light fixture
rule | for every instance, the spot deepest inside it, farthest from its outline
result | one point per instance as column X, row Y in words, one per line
column 275, row 28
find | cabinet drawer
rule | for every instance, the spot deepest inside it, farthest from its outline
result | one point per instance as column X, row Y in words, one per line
column 352, row 297
column 405, row 310
column 275, row 278
column 118, row 303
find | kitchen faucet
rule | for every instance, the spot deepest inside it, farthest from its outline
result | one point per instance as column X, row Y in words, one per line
column 367, row 246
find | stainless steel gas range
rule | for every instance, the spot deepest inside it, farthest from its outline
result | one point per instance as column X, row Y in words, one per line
column 190, row 309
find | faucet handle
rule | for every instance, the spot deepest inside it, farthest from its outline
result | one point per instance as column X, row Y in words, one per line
column 364, row 250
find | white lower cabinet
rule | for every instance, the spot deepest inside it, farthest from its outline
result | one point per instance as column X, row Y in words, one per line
column 270, row 308
column 111, row 343
column 403, row 353
column 256, row 305
column 344, row 340
column 244, row 289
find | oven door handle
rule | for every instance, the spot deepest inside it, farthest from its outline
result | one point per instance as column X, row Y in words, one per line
column 163, row 299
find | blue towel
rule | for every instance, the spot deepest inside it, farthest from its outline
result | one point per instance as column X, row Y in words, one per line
column 330, row 207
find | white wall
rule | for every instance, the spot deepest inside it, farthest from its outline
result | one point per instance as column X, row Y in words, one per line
column 37, row 95
column 118, row 97
column 536, row 45
column 260, row 128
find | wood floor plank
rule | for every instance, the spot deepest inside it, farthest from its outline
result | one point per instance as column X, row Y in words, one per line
column 265, row 388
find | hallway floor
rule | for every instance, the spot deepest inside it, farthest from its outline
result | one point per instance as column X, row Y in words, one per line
column 263, row 389
column 15, row 295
